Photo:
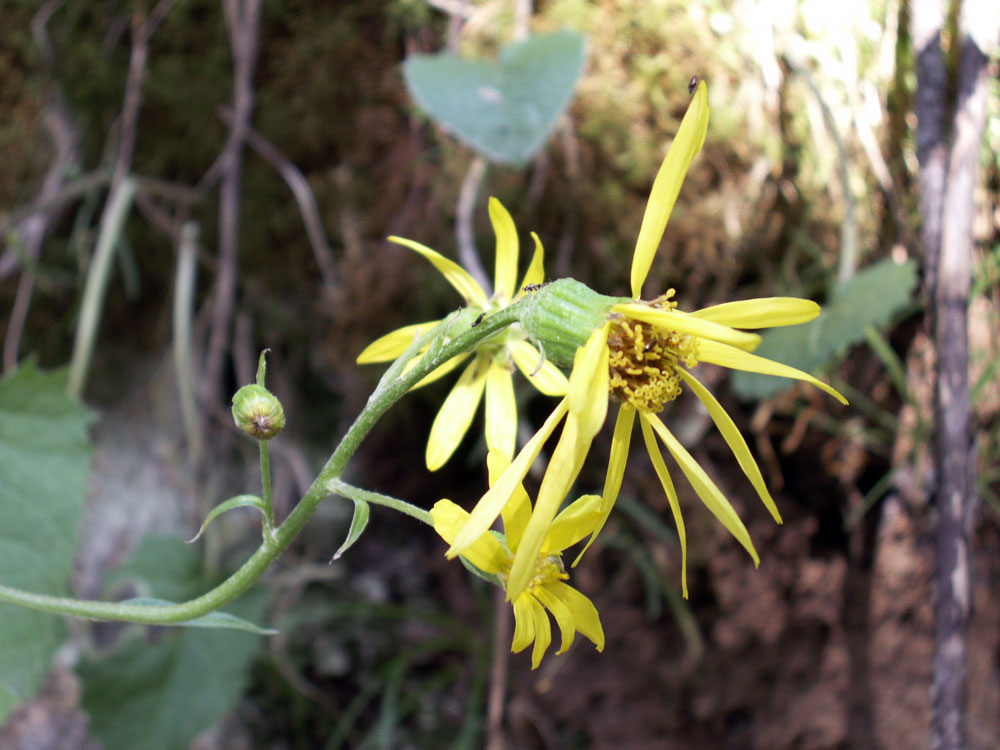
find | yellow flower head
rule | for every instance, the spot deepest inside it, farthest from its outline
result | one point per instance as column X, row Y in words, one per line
column 546, row 589
column 492, row 362
column 641, row 355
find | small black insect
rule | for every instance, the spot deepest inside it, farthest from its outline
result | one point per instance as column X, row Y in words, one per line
column 532, row 287
column 479, row 319
column 692, row 84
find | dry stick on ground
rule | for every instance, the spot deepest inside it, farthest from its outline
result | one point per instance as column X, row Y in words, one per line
column 955, row 493
column 299, row 186
column 243, row 20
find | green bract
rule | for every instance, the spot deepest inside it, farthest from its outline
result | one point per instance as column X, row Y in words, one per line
column 257, row 412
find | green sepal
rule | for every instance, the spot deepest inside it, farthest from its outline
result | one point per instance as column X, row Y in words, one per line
column 358, row 524
column 240, row 501
column 561, row 315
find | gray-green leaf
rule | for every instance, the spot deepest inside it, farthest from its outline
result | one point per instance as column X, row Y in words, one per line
column 504, row 108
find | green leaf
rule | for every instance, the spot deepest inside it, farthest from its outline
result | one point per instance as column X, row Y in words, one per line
column 358, row 524
column 505, row 108
column 871, row 298
column 240, row 501
column 44, row 465
column 160, row 695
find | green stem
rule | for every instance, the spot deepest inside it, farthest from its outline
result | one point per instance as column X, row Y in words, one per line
column 339, row 487
column 394, row 385
column 267, row 527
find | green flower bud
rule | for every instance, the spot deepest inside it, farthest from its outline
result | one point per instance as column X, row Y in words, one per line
column 257, row 412
column 561, row 315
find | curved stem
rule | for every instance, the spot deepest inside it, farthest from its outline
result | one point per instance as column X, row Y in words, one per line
column 338, row 487
column 394, row 384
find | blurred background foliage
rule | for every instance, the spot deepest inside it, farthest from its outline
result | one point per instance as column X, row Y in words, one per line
column 806, row 178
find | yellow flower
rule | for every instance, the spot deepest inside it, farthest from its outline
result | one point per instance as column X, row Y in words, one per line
column 546, row 590
column 492, row 362
column 642, row 355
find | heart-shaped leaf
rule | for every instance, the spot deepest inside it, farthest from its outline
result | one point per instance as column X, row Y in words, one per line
column 505, row 108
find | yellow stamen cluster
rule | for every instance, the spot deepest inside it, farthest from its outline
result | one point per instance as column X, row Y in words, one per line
column 644, row 359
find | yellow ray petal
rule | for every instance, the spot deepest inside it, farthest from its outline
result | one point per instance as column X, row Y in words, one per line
column 687, row 143
column 709, row 493
column 684, row 323
column 536, row 270
column 765, row 312
column 589, row 383
column 455, row 415
column 390, row 346
column 547, row 378
column 486, row 553
column 585, row 617
column 653, row 448
column 732, row 436
column 543, row 634
column 517, row 511
column 524, row 623
column 616, row 470
column 572, row 524
column 560, row 474
column 737, row 359
column 457, row 276
column 505, row 275
column 501, row 410
column 559, row 610
column 490, row 504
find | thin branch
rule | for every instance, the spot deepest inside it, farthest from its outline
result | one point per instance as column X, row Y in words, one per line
column 303, row 193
